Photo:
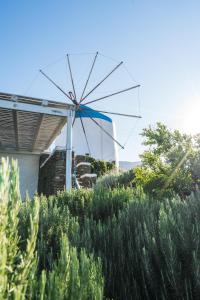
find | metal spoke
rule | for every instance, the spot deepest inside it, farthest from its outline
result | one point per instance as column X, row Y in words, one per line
column 106, row 132
column 74, row 120
column 70, row 71
column 55, row 84
column 102, row 80
column 88, row 77
column 118, row 114
column 113, row 94
column 85, row 135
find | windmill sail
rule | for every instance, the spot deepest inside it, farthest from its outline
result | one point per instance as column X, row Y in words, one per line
column 93, row 131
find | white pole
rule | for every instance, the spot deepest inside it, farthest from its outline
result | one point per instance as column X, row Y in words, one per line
column 68, row 180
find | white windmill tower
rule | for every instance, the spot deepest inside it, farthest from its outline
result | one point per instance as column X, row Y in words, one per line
column 93, row 130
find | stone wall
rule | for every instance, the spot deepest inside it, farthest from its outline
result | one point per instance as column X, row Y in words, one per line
column 52, row 174
column 83, row 172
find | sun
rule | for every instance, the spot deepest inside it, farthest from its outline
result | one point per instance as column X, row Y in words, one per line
column 191, row 117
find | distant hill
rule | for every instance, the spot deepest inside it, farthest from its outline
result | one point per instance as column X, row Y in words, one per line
column 127, row 165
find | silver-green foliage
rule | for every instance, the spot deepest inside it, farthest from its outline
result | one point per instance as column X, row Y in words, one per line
column 28, row 227
column 150, row 251
column 116, row 180
column 17, row 268
column 73, row 276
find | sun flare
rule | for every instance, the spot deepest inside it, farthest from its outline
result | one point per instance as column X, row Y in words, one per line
column 191, row 121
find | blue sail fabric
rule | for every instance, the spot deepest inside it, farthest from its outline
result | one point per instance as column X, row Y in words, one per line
column 88, row 112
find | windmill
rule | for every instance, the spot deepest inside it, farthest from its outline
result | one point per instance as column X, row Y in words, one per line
column 81, row 103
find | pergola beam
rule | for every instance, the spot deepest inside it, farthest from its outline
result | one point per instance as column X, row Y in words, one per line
column 40, row 118
column 14, row 112
column 30, row 126
column 57, row 129
column 68, row 178
column 34, row 108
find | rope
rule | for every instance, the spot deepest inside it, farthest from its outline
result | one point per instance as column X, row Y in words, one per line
column 82, row 53
column 131, row 132
column 31, row 84
column 129, row 73
column 54, row 62
column 111, row 58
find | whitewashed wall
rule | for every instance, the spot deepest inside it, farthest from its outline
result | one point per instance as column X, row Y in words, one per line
column 100, row 144
column 28, row 171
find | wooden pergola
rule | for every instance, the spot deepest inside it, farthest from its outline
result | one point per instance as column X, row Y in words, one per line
column 31, row 124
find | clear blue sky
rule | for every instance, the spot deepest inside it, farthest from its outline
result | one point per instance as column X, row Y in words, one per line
column 158, row 40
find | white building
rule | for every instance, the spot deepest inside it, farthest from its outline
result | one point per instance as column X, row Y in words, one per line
column 28, row 126
column 89, row 138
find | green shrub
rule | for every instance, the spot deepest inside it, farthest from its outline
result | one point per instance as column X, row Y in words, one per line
column 170, row 164
column 100, row 167
column 17, row 267
column 72, row 276
column 116, row 180
column 36, row 259
column 151, row 251
column 53, row 248
column 108, row 203
column 79, row 202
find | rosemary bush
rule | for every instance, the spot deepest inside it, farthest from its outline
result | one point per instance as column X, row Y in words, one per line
column 108, row 203
column 17, row 267
column 59, row 247
column 72, row 276
column 116, row 180
column 36, row 259
column 150, row 251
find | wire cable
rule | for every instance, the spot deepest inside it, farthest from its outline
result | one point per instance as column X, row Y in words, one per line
column 31, row 83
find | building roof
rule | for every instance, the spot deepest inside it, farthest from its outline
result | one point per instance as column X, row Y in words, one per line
column 30, row 124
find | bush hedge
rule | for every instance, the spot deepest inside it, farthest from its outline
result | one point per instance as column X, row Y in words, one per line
column 59, row 247
column 36, row 259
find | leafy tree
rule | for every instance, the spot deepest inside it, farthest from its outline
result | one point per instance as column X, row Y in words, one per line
column 171, row 164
